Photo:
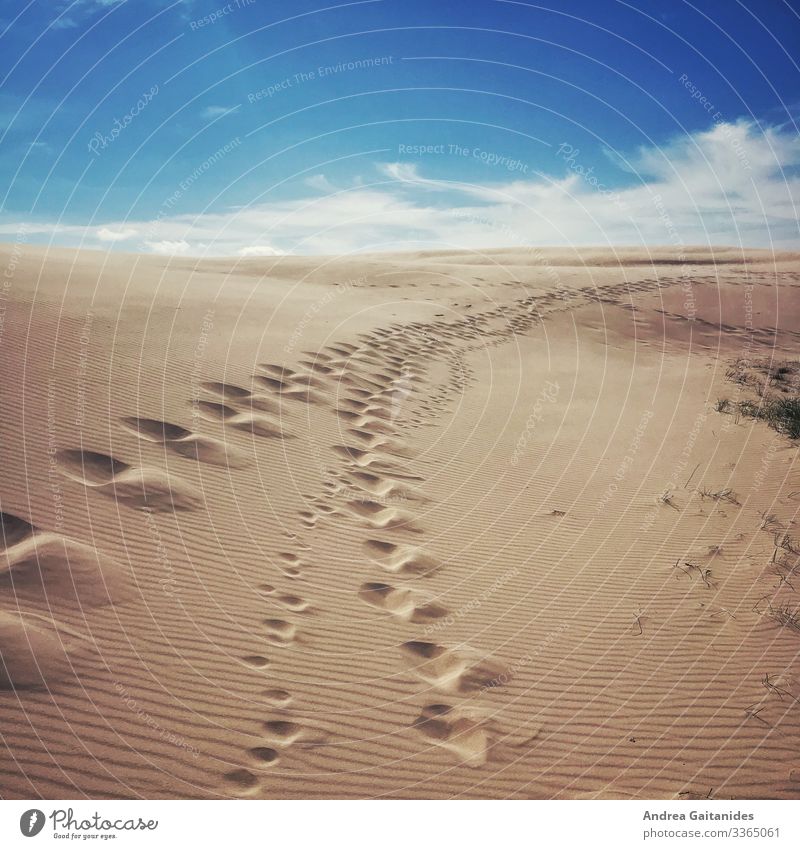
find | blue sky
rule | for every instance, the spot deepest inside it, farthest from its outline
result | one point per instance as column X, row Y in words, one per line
column 211, row 127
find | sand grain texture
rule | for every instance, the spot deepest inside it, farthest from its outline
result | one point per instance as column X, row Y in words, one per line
column 442, row 524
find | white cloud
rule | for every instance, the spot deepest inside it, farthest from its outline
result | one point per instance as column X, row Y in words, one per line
column 733, row 184
column 259, row 250
column 408, row 172
column 84, row 9
column 105, row 234
column 167, row 247
column 320, row 182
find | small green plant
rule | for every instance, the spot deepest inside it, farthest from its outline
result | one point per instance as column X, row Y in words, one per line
column 722, row 405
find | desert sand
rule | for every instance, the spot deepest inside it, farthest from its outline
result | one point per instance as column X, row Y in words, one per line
column 443, row 524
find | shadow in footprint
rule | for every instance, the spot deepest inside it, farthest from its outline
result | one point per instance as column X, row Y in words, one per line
column 133, row 486
column 184, row 443
column 405, row 604
column 256, row 424
column 38, row 653
column 456, row 670
column 280, row 633
column 51, row 571
column 470, row 733
column 402, row 560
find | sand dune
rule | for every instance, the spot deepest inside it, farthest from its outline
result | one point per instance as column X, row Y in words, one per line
column 441, row 524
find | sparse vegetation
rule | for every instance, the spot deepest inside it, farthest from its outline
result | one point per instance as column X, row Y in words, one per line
column 778, row 387
column 770, row 522
column 775, row 685
column 786, row 570
column 719, row 495
column 753, row 712
column 779, row 412
column 787, row 543
column 786, row 615
column 666, row 498
column 689, row 568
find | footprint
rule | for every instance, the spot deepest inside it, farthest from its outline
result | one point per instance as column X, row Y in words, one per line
column 283, row 733
column 91, row 467
column 461, row 670
column 280, row 633
column 242, row 780
column 402, row 603
column 379, row 443
column 349, row 416
column 355, row 455
column 308, row 518
column 353, row 404
column 463, row 731
column 228, row 391
column 385, row 488
column 13, row 530
column 155, row 430
column 38, row 652
column 375, row 426
column 281, row 372
column 277, row 697
column 379, row 516
column 183, row 442
column 289, row 557
column 343, row 349
column 293, row 602
column 243, row 397
column 402, row 560
column 299, row 389
column 263, row 755
column 319, row 368
column 49, row 570
column 138, row 487
column 258, row 425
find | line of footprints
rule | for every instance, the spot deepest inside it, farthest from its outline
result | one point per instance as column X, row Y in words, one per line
column 371, row 387
column 375, row 385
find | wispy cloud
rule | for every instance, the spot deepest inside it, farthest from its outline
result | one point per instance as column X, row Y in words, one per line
column 211, row 112
column 733, row 184
column 259, row 250
column 320, row 182
column 64, row 22
column 73, row 11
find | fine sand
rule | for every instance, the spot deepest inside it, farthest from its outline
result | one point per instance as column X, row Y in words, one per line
column 443, row 524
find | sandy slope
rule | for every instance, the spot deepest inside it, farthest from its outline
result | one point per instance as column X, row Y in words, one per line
column 439, row 524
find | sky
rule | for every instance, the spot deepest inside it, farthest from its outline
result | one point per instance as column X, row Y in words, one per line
column 254, row 127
